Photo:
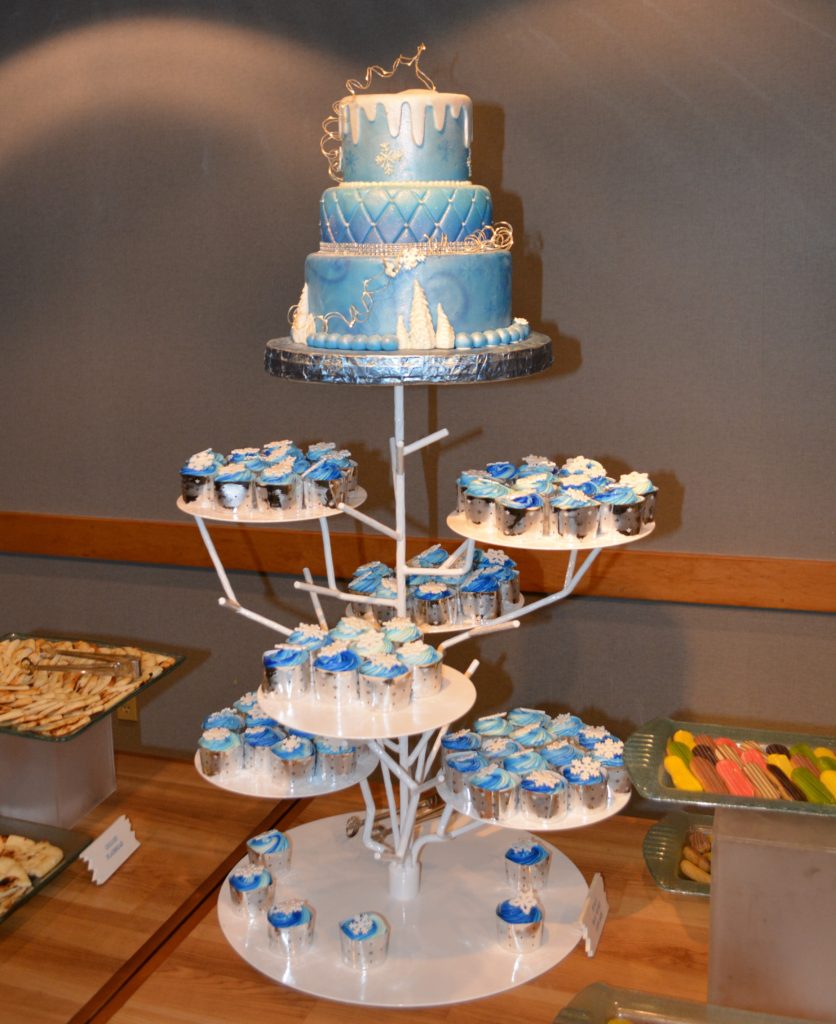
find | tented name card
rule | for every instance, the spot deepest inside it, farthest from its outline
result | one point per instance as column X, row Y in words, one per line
column 108, row 853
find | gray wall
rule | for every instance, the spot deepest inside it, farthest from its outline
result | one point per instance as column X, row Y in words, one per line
column 668, row 171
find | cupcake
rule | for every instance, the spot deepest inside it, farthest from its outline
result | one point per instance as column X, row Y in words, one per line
column 227, row 718
column 503, row 471
column 256, row 744
column 369, row 644
column 621, row 511
column 246, row 703
column 220, row 752
column 426, row 666
column 519, row 922
column 290, row 927
column 270, row 850
column 458, row 742
column 335, row 758
column 565, row 726
column 292, row 760
column 432, row 558
column 364, row 940
column 527, row 866
column 589, row 735
column 232, row 485
column 324, row 485
column 196, row 477
column 434, row 604
column 572, row 515
column 385, row 683
column 460, row 767
column 287, row 670
column 534, row 481
column 497, row 748
column 350, row 627
column 250, row 888
column 335, row 675
column 518, row 718
column 509, row 586
column 493, row 725
column 279, row 488
column 543, row 795
column 309, row 636
column 558, row 754
column 320, row 450
column 641, row 484
column 524, row 762
column 480, row 501
column 465, row 479
column 399, row 631
column 493, row 792
column 479, row 597
column 587, row 784
column 519, row 513
column 533, row 737
column 610, row 753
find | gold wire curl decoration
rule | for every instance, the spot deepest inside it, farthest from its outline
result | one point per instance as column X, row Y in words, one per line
column 330, row 145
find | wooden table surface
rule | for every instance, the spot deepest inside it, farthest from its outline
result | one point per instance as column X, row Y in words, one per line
column 146, row 947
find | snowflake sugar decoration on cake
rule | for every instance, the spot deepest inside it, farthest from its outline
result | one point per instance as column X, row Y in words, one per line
column 585, row 768
column 388, row 158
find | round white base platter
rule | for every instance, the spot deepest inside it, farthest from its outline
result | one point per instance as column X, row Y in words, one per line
column 356, row 721
column 459, row 524
column 251, row 516
column 460, row 625
column 254, row 784
column 443, row 946
column 574, row 819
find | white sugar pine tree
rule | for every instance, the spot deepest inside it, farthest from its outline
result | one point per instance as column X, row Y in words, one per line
column 445, row 336
column 303, row 323
column 402, row 334
column 421, row 332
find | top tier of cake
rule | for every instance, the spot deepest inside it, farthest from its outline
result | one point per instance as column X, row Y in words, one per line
column 416, row 135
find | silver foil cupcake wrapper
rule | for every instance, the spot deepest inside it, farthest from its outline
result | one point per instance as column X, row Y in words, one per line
column 545, row 806
column 290, row 942
column 277, row 863
column 513, row 522
column 293, row 770
column 385, row 694
column 251, row 902
column 288, row 680
column 575, row 522
column 324, row 493
column 280, row 497
column 426, row 680
column 519, row 938
column 489, row 803
column 364, row 954
column 336, row 766
column 256, row 759
column 587, row 796
column 624, row 519
column 528, row 877
column 618, row 779
column 220, row 762
column 479, row 606
column 435, row 612
column 335, row 687
column 509, row 593
column 479, row 511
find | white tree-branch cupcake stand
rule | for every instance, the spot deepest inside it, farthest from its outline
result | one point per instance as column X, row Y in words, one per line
column 443, row 946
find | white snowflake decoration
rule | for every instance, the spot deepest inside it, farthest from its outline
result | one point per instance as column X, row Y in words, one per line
column 388, row 158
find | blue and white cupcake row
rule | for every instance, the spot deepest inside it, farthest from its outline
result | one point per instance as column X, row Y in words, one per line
column 278, row 477
column 575, row 500
column 356, row 663
column 242, row 741
column 290, row 921
column 489, row 589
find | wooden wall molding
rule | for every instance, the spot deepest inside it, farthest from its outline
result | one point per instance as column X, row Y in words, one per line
column 732, row 580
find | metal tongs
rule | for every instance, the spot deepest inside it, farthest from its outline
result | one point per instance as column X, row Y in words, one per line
column 429, row 807
column 95, row 663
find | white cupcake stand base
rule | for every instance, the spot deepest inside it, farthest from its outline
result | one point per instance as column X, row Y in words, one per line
column 443, row 942
column 443, row 947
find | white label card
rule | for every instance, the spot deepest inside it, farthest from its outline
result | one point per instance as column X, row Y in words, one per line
column 594, row 915
column 108, row 853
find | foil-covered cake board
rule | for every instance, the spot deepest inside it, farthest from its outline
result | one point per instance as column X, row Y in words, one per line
column 285, row 358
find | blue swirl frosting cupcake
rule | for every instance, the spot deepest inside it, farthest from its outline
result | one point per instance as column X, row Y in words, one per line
column 532, row 737
column 309, row 636
column 399, row 631
column 497, row 748
column 501, row 470
column 290, row 926
column 426, row 665
column 287, row 670
column 493, row 792
column 335, row 674
column 587, row 782
column 520, row 717
column 335, row 758
column 610, row 753
column 232, row 485
column 480, row 500
column 572, row 515
column 457, row 742
column 292, row 760
column 371, row 643
column 385, row 683
column 543, row 795
column 270, row 850
column 518, row 513
column 196, row 476
column 589, row 735
column 493, row 725
column 558, row 754
column 257, row 742
column 324, row 485
column 461, row 766
column 364, row 940
column 642, row 485
column 250, row 888
column 279, row 486
column 431, row 558
column 524, row 762
column 621, row 511
column 435, row 604
column 527, row 866
column 220, row 751
column 479, row 596
column 565, row 726
column 350, row 627
column 519, row 923
column 227, row 718
column 246, row 703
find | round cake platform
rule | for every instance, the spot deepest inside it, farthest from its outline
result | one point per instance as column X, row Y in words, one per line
column 284, row 358
column 443, row 947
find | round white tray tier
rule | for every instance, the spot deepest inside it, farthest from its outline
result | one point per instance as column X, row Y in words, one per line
column 575, row 819
column 355, row 721
column 464, row 624
column 254, row 784
column 459, row 524
column 251, row 517
column 442, row 947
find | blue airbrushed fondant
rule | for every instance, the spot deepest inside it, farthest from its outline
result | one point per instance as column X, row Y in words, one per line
column 388, row 214
column 442, row 156
column 474, row 290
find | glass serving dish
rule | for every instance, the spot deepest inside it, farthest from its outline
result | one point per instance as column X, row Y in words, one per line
column 70, row 843
column 644, row 754
column 662, row 849
column 142, row 683
column 600, row 1003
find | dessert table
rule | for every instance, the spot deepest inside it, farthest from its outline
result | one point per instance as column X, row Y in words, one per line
column 146, row 947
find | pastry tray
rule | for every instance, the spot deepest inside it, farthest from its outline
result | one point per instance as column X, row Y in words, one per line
column 256, row 517
column 284, row 358
column 70, row 843
column 662, row 848
column 533, row 541
column 177, row 659
column 600, row 1003
column 644, row 754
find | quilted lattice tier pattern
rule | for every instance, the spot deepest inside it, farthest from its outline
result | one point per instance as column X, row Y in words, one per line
column 375, row 214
